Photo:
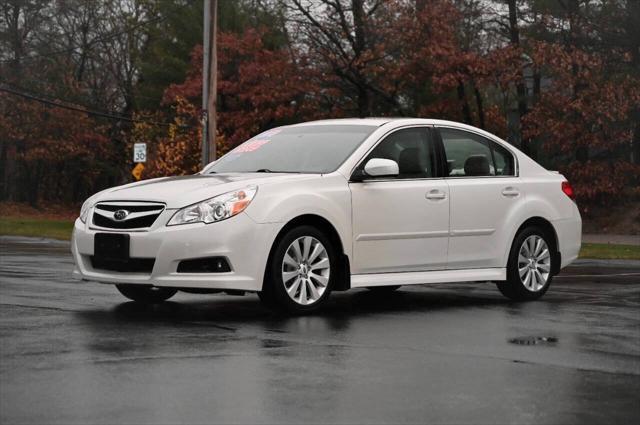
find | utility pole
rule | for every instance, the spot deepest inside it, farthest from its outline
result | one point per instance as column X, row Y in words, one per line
column 209, row 81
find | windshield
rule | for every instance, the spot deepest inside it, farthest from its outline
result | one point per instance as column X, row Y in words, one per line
column 303, row 149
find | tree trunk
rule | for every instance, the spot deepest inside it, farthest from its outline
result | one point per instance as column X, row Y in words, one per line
column 479, row 105
column 16, row 39
column 536, row 84
column 213, row 84
column 633, row 30
column 83, row 55
column 521, row 89
column 8, row 169
column 359, row 46
column 635, row 141
column 363, row 102
column 462, row 97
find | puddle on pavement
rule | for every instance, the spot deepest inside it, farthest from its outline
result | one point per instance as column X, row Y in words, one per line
column 534, row 340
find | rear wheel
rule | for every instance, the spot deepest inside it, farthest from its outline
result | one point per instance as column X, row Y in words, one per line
column 146, row 294
column 301, row 272
column 530, row 265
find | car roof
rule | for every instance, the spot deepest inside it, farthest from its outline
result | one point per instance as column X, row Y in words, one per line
column 348, row 121
column 395, row 122
column 379, row 121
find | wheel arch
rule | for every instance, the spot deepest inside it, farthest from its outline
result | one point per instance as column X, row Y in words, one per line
column 325, row 226
column 547, row 226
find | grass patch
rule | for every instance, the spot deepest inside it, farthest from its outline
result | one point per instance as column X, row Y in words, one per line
column 55, row 229
column 609, row 251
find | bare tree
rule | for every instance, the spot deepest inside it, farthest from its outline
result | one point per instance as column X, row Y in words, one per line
column 339, row 32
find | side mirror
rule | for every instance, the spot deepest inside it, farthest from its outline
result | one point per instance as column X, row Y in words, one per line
column 378, row 167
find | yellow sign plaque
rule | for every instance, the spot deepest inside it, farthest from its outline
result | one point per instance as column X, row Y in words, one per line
column 137, row 171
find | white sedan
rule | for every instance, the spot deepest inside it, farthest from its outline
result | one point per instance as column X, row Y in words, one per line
column 299, row 211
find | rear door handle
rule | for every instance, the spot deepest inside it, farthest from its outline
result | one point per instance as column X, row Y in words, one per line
column 510, row 192
column 435, row 194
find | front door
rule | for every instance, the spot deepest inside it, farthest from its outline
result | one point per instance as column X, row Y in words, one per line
column 401, row 223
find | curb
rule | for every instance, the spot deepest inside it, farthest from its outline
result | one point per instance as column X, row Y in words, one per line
column 611, row 239
column 33, row 240
column 593, row 262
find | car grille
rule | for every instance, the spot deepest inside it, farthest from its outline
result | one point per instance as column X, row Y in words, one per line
column 126, row 215
column 131, row 265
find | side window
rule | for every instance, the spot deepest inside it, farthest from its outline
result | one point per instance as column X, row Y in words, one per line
column 411, row 149
column 505, row 165
column 467, row 154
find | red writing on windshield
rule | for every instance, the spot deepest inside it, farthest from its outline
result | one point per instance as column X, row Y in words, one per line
column 250, row 146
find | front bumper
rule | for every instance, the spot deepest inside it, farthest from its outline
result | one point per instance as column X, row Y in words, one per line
column 245, row 243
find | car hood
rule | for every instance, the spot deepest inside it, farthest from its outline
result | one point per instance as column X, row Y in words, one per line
column 180, row 191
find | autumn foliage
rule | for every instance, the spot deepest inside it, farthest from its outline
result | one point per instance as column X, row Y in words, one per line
column 561, row 83
column 583, row 110
column 58, row 154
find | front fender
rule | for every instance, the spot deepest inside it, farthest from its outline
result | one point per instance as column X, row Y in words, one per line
column 327, row 196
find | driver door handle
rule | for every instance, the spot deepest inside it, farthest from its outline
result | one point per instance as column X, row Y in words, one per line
column 435, row 194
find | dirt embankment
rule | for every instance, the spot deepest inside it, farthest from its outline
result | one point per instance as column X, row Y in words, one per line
column 622, row 219
column 50, row 212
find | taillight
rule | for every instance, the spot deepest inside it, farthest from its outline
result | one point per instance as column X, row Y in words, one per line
column 568, row 190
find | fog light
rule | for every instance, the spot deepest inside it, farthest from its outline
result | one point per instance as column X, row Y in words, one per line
column 205, row 265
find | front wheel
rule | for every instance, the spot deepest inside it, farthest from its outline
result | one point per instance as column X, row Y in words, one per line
column 529, row 267
column 146, row 294
column 301, row 272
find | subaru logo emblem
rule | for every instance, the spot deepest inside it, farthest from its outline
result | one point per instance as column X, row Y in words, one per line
column 120, row 215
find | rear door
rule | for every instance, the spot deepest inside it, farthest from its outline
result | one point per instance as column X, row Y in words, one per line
column 484, row 190
column 401, row 223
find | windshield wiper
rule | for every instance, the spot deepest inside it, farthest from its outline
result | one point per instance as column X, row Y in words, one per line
column 266, row 170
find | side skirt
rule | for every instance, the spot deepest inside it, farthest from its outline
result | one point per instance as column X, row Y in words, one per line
column 436, row 276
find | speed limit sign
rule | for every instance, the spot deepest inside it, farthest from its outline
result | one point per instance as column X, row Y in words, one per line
column 140, row 152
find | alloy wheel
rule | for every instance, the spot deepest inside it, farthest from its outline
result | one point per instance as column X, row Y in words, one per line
column 305, row 270
column 534, row 263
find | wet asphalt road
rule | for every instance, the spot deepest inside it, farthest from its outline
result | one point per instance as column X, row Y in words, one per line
column 76, row 352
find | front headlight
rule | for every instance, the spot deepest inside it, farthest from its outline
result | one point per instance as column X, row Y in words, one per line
column 215, row 209
column 84, row 210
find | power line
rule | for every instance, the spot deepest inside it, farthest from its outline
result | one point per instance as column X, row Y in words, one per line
column 83, row 109
column 33, row 82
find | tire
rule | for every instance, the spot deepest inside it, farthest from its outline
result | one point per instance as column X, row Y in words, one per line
column 302, row 269
column 529, row 269
column 383, row 289
column 146, row 294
